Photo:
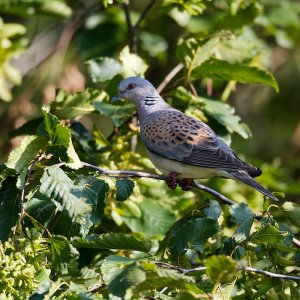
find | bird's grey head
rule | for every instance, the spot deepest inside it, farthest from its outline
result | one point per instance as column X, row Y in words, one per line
column 138, row 90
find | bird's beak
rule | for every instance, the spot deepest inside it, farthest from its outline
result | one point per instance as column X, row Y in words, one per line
column 116, row 98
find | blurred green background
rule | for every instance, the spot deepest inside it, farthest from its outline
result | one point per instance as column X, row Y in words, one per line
column 45, row 46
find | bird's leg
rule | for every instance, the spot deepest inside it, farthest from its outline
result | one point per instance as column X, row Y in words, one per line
column 186, row 184
column 172, row 179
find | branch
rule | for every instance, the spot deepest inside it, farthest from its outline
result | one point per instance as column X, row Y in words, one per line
column 246, row 269
column 271, row 274
column 169, row 77
column 35, row 161
column 132, row 29
column 144, row 13
column 199, row 186
column 138, row 174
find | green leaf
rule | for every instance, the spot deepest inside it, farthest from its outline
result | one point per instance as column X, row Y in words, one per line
column 268, row 235
column 193, row 233
column 103, row 69
column 121, row 276
column 243, row 216
column 224, row 114
column 132, row 64
column 21, row 157
column 153, row 221
column 158, row 278
column 213, row 210
column 292, row 212
column 63, row 254
column 124, row 189
column 222, row 70
column 116, row 241
column 57, row 186
column 9, row 207
column 118, row 113
column 220, row 268
column 224, row 291
column 67, row 106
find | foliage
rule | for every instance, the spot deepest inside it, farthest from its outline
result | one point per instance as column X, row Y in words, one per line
column 87, row 234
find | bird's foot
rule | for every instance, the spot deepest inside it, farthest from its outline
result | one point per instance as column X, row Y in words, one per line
column 171, row 180
column 186, row 184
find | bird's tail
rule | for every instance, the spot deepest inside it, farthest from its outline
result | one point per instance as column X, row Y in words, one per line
column 244, row 177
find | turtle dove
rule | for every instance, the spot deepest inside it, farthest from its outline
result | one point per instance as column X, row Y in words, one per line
column 181, row 146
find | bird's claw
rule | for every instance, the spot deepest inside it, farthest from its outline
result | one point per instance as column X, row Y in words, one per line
column 186, row 184
column 172, row 180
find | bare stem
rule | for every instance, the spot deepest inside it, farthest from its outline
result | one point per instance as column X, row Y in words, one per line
column 247, row 269
column 132, row 29
column 169, row 77
column 138, row 174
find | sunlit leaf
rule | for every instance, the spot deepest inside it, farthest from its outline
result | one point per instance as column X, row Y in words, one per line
column 268, row 235
column 57, row 186
column 103, row 69
column 124, row 189
column 112, row 241
column 243, row 216
column 194, row 232
column 220, row 268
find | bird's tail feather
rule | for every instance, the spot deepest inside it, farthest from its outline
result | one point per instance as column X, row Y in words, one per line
column 244, row 177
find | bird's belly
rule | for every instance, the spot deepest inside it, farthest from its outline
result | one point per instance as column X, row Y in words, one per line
column 167, row 166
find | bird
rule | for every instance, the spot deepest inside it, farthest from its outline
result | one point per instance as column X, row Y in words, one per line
column 180, row 146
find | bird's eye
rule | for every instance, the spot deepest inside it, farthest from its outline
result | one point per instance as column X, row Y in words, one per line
column 130, row 86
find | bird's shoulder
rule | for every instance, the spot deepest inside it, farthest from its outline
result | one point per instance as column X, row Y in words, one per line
column 177, row 128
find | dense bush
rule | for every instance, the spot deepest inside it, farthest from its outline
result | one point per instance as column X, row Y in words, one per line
column 71, row 225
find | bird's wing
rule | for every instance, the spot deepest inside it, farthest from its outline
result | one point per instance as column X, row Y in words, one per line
column 174, row 135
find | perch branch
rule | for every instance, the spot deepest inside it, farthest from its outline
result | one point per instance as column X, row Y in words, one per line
column 138, row 174
column 199, row 186
column 246, row 269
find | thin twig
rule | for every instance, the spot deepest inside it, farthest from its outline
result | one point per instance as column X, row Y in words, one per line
column 199, row 186
column 271, row 274
column 144, row 13
column 35, row 161
column 130, row 27
column 169, row 77
column 138, row 174
column 247, row 269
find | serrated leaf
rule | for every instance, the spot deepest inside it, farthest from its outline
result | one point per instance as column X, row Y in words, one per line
column 213, row 210
column 121, row 276
column 29, row 128
column 132, row 64
column 194, row 232
column 125, row 188
column 103, row 69
column 224, row 291
column 224, row 114
column 222, row 70
column 9, row 207
column 153, row 221
column 119, row 241
column 21, row 157
column 63, row 254
column 68, row 106
column 158, row 278
column 243, row 216
column 220, row 268
column 292, row 212
column 118, row 113
column 57, row 186
column 268, row 235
